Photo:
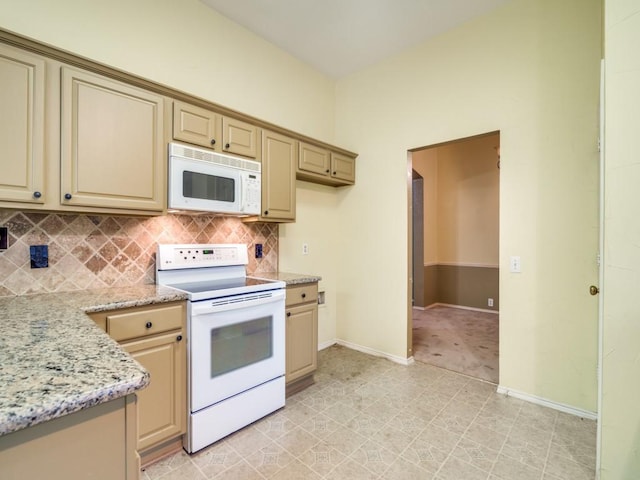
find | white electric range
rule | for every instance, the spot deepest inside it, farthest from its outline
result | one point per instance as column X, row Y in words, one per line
column 235, row 338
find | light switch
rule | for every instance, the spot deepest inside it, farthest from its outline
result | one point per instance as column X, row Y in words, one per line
column 514, row 264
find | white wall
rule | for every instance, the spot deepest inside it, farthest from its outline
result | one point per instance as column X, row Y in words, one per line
column 620, row 458
column 530, row 70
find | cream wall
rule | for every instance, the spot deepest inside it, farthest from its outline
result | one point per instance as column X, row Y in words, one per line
column 425, row 162
column 316, row 207
column 468, row 202
column 620, row 416
column 186, row 45
column 530, row 70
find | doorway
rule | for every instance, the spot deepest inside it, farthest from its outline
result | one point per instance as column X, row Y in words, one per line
column 454, row 319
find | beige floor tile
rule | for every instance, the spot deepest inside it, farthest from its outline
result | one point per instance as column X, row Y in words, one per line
column 456, row 469
column 374, row 457
column 351, row 470
column 487, row 437
column 345, row 440
column 452, row 429
column 402, row 469
column 508, row 468
column 215, row 459
column 476, row 454
column 270, row 460
column 322, row 458
column 296, row 470
column 568, row 469
column 241, row 470
column 525, row 452
column 297, row 441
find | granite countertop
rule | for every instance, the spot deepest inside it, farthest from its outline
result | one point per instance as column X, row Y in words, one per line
column 288, row 278
column 55, row 361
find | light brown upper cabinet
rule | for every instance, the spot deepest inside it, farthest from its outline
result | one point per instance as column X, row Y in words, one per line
column 21, row 126
column 320, row 165
column 280, row 154
column 205, row 128
column 196, row 125
column 112, row 147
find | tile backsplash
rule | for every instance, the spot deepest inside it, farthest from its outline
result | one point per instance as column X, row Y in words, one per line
column 94, row 251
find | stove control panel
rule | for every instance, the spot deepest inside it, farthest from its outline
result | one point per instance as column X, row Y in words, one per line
column 173, row 257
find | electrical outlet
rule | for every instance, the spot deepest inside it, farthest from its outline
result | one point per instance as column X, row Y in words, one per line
column 490, row 302
column 39, row 256
column 258, row 250
column 305, row 249
column 4, row 238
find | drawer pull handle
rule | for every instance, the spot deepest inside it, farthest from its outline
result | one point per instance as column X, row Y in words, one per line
column 179, row 338
column 304, row 295
column 149, row 325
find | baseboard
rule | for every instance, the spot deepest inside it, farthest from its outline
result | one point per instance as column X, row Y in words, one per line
column 375, row 353
column 327, row 344
column 461, row 307
column 547, row 403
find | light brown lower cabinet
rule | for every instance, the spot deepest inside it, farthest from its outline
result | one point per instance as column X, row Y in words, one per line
column 301, row 336
column 155, row 337
column 96, row 443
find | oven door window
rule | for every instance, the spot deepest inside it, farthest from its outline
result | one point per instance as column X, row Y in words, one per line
column 240, row 345
column 208, row 187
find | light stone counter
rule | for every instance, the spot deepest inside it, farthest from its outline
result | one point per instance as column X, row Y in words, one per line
column 288, row 278
column 55, row 361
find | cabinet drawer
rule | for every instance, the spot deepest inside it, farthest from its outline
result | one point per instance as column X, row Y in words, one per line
column 123, row 326
column 304, row 293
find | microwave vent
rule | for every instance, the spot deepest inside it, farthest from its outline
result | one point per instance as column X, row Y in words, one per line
column 176, row 150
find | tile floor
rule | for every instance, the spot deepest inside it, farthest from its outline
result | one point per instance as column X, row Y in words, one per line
column 369, row 418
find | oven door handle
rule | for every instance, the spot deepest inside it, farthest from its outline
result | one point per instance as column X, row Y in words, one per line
column 205, row 307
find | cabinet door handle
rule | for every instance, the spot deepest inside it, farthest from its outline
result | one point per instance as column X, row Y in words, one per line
column 179, row 338
column 149, row 325
column 288, row 314
column 67, row 196
column 227, row 145
column 334, row 173
column 327, row 171
column 37, row 194
column 213, row 141
column 304, row 295
column 266, row 212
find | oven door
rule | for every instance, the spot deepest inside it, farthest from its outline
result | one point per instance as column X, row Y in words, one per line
column 203, row 186
column 237, row 343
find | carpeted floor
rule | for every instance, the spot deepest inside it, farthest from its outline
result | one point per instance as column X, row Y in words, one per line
column 463, row 341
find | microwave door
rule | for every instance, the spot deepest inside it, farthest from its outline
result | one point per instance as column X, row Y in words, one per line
column 201, row 186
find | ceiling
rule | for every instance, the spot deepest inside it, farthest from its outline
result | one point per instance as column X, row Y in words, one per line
column 339, row 37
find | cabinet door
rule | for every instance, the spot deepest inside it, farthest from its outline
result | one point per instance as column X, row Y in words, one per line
column 278, row 176
column 343, row 167
column 162, row 405
column 196, row 125
column 302, row 341
column 240, row 138
column 313, row 159
column 21, row 126
column 113, row 152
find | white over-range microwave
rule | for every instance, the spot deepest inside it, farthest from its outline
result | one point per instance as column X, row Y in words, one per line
column 206, row 181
